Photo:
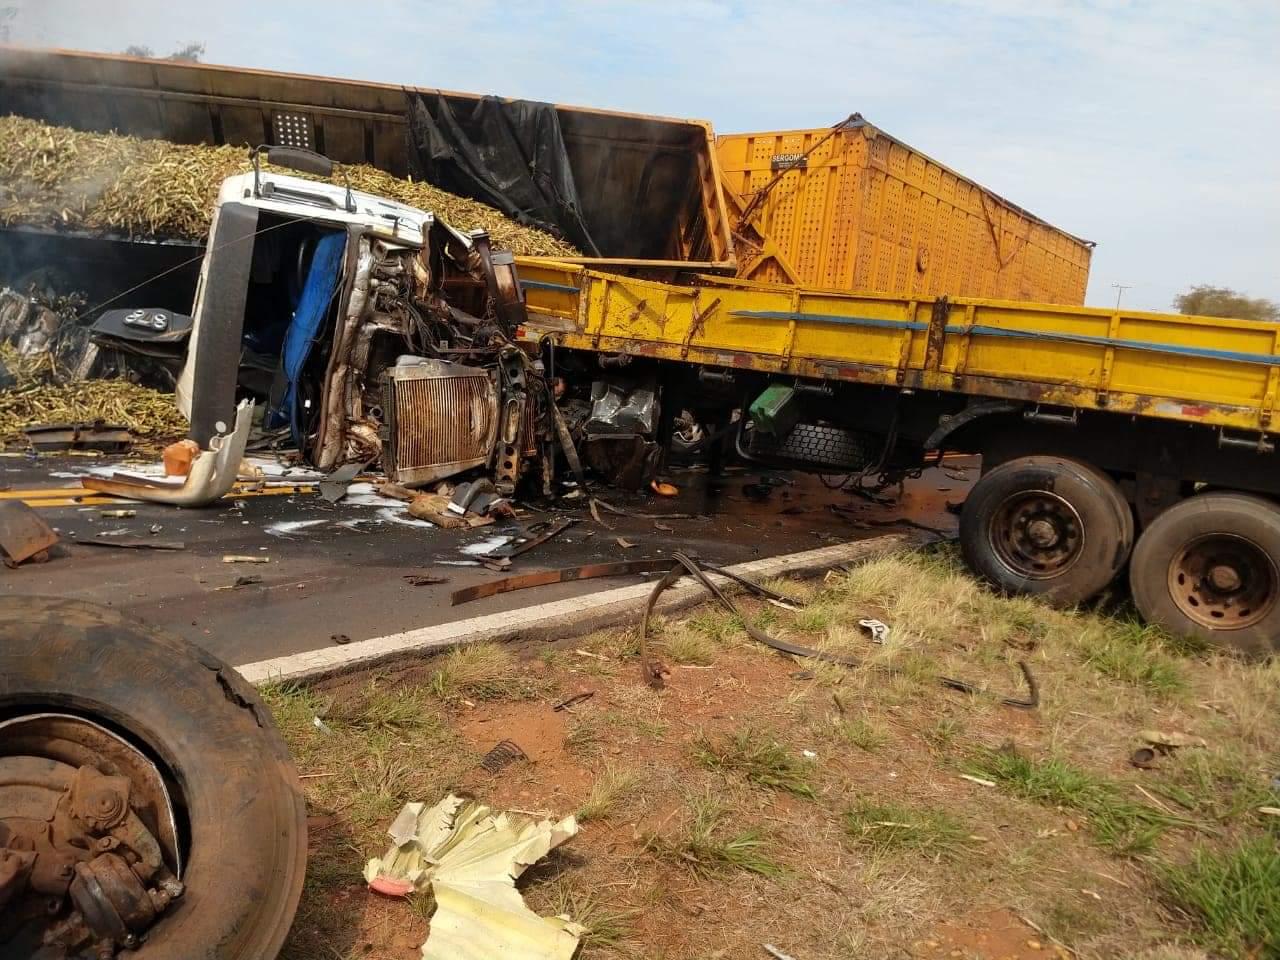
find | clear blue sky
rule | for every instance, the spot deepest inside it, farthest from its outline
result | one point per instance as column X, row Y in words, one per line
column 1150, row 126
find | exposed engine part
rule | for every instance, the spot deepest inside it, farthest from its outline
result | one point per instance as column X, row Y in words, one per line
column 621, row 410
column 89, row 851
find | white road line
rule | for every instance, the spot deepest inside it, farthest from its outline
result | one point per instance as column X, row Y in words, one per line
column 559, row 618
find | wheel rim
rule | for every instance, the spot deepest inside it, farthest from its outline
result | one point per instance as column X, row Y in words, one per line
column 1223, row 581
column 1037, row 534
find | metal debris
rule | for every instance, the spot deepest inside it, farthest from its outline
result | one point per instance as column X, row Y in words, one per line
column 574, row 700
column 131, row 543
column 543, row 578
column 23, row 534
column 683, row 564
column 878, row 629
column 98, row 435
column 503, row 754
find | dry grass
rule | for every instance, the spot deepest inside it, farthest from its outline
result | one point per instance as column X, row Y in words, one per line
column 610, row 791
column 482, row 671
column 837, row 796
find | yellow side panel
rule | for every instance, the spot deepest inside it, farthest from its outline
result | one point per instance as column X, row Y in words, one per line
column 866, row 213
column 1194, row 369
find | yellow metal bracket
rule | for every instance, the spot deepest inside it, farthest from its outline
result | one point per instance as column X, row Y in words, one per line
column 904, row 345
column 1267, row 410
column 1108, row 361
column 789, row 344
column 966, row 337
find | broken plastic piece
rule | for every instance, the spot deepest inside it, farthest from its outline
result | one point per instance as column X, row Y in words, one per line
column 470, row 858
column 178, row 457
column 878, row 629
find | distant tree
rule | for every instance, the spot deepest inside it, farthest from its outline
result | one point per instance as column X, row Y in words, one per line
column 7, row 16
column 190, row 53
column 1209, row 301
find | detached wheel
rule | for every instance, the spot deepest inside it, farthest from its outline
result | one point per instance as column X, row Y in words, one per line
column 1048, row 527
column 1208, row 568
column 178, row 825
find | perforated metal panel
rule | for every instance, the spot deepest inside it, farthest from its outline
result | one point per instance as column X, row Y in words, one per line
column 293, row 129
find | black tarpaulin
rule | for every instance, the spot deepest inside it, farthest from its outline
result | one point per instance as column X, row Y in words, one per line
column 508, row 154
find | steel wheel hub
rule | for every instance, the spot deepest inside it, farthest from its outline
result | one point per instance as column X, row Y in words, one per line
column 1223, row 581
column 1037, row 534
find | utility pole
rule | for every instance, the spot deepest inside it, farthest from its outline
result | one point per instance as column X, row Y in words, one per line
column 1120, row 289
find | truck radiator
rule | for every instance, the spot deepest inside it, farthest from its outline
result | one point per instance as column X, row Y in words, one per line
column 441, row 419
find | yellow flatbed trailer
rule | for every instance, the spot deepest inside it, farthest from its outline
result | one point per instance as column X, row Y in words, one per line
column 1203, row 370
column 1098, row 428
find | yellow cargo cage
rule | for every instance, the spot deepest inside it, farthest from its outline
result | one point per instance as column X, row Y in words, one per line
column 852, row 208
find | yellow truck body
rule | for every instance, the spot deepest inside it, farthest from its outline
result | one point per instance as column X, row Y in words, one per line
column 1204, row 370
column 856, row 209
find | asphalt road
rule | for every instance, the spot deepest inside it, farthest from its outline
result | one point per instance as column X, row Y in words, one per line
column 337, row 570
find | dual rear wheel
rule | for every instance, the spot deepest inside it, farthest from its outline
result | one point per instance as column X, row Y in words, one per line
column 1061, row 529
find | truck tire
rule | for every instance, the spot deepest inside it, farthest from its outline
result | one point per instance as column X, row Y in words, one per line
column 1209, row 568
column 1048, row 527
column 236, row 794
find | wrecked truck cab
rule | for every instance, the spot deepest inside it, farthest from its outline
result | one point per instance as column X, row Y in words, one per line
column 367, row 330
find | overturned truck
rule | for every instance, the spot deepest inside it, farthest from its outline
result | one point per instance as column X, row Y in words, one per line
column 363, row 331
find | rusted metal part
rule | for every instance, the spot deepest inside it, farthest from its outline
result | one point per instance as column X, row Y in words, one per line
column 574, row 700
column 536, row 535
column 80, row 872
column 98, row 435
column 543, row 578
column 23, row 534
column 503, row 754
column 131, row 543
column 508, row 453
column 937, row 333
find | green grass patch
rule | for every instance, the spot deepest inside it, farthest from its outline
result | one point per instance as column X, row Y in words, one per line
column 889, row 826
column 689, row 647
column 716, row 624
column 607, row 926
column 482, row 671
column 710, row 849
column 759, row 758
column 1134, row 654
column 862, row 733
column 1118, row 824
column 386, row 709
column 1232, row 897
column 610, row 791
